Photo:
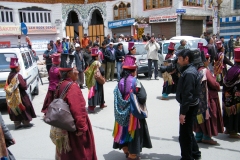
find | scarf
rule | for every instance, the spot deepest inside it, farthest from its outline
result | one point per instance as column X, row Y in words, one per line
column 13, row 96
column 232, row 77
column 89, row 73
column 218, row 66
column 60, row 138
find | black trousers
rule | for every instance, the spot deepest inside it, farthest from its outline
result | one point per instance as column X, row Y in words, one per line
column 155, row 62
column 48, row 68
column 71, row 59
column 63, row 63
column 230, row 52
column 188, row 144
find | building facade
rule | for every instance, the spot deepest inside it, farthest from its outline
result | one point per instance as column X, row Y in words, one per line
column 230, row 18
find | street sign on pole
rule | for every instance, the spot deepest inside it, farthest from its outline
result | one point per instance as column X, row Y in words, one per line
column 24, row 28
column 179, row 11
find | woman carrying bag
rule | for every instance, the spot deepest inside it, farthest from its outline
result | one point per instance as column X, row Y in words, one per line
column 130, row 129
column 20, row 107
column 78, row 144
column 95, row 81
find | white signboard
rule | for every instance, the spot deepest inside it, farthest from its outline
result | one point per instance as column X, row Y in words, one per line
column 39, row 45
column 163, row 18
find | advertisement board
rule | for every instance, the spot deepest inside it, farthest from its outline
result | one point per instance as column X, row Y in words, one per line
column 121, row 23
column 163, row 18
column 39, row 45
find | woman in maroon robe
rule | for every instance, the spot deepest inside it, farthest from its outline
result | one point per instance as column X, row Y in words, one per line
column 212, row 124
column 82, row 140
column 23, row 112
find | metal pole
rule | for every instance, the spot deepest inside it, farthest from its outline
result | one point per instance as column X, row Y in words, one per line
column 218, row 18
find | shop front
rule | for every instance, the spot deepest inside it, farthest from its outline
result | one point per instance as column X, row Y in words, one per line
column 192, row 25
column 121, row 26
column 163, row 25
column 39, row 35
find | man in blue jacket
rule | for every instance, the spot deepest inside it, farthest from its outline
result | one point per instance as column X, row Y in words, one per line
column 187, row 95
column 120, row 54
column 64, row 54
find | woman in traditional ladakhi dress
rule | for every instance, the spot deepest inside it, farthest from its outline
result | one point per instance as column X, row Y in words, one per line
column 170, row 79
column 231, row 98
column 209, row 119
column 77, row 145
column 95, row 90
column 130, row 133
column 54, row 78
column 20, row 107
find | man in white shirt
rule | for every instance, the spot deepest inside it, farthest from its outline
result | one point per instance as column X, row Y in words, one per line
column 152, row 47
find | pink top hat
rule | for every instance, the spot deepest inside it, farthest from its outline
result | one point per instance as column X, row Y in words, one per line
column 130, row 45
column 14, row 62
column 129, row 62
column 171, row 46
column 237, row 55
column 94, row 52
column 205, row 50
column 200, row 46
column 56, row 58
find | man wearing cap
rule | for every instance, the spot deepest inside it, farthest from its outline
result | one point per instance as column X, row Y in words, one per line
column 68, row 43
column 120, row 54
column 97, row 41
column 53, row 46
column 183, row 43
column 121, row 38
column 58, row 46
column 85, row 41
column 231, row 98
column 152, row 48
column 48, row 57
column 79, row 61
column 110, row 58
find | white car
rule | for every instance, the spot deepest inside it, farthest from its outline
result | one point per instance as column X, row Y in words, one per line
column 29, row 69
column 192, row 43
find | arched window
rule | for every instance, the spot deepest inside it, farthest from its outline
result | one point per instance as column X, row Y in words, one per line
column 122, row 11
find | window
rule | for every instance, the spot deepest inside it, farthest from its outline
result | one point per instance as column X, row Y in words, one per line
column 153, row 4
column 236, row 4
column 29, row 58
column 25, row 61
column 122, row 11
column 6, row 14
column 193, row 3
column 35, row 15
column 5, row 61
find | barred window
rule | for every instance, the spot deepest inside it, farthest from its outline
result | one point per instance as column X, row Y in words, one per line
column 6, row 14
column 34, row 15
column 236, row 4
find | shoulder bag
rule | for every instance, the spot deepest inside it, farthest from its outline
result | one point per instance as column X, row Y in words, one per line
column 58, row 114
column 98, row 76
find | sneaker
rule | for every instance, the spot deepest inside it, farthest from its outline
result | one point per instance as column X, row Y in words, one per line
column 156, row 78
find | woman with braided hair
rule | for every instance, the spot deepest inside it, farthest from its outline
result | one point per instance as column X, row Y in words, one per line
column 130, row 133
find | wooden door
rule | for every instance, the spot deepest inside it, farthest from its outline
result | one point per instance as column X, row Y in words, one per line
column 94, row 31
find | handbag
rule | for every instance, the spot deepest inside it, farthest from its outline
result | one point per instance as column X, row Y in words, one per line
column 137, row 109
column 98, row 76
column 58, row 114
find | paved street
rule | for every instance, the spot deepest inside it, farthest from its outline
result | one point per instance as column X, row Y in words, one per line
column 35, row 144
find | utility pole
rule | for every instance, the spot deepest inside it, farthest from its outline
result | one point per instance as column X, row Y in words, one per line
column 218, row 17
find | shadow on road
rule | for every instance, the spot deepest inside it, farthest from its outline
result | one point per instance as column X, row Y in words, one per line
column 169, row 97
column 120, row 156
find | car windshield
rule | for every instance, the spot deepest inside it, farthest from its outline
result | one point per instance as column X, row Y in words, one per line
column 5, row 61
column 140, row 49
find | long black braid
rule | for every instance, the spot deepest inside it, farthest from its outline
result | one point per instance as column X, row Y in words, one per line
column 125, row 74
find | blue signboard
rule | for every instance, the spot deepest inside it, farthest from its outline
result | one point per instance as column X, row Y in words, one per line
column 24, row 28
column 180, row 10
column 121, row 23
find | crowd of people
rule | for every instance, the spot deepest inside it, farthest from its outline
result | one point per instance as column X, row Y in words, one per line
column 196, row 81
